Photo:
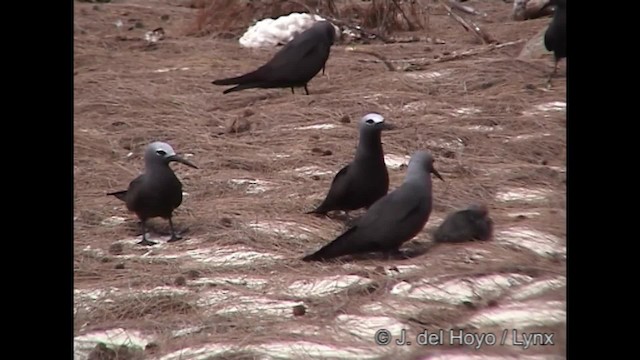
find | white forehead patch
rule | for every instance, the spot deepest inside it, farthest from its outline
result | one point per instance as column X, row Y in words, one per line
column 377, row 118
column 162, row 146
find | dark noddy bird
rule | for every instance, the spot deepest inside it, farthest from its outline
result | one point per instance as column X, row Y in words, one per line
column 366, row 179
column 472, row 223
column 157, row 192
column 299, row 61
column 391, row 221
column 555, row 38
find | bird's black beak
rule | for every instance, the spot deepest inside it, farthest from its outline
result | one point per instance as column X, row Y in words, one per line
column 436, row 173
column 387, row 126
column 181, row 160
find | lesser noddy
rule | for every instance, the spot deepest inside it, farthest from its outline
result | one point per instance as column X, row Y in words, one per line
column 366, row 179
column 472, row 223
column 555, row 38
column 157, row 192
column 294, row 65
column 391, row 221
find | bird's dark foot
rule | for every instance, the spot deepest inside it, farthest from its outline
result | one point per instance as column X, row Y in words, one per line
column 145, row 242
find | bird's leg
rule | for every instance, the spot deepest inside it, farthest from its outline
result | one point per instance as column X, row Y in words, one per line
column 174, row 235
column 555, row 69
column 293, row 92
column 144, row 240
column 305, row 89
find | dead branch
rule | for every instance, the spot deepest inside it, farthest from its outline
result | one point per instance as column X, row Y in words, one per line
column 469, row 25
column 421, row 63
column 465, row 8
column 409, row 23
column 381, row 58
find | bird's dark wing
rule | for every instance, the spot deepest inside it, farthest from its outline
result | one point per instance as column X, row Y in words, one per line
column 391, row 221
column 339, row 187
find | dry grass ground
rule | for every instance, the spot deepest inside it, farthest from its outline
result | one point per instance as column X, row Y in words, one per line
column 482, row 116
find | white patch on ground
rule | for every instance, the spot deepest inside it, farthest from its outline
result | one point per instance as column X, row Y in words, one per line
column 528, row 214
column 538, row 288
column 249, row 283
column 221, row 256
column 230, row 256
column 464, row 111
column 113, row 221
column 224, row 302
column 288, row 229
column 312, row 170
column 462, row 290
column 281, row 156
column 365, row 327
column 430, row 75
column 325, row 286
column 253, row 186
column 526, row 137
column 523, row 194
column 317, row 127
column 541, row 243
column 164, row 70
column 187, row 331
column 547, row 107
column 113, row 338
column 521, row 315
column 455, row 145
column 307, row 350
column 396, row 161
column 483, row 128
column 400, row 308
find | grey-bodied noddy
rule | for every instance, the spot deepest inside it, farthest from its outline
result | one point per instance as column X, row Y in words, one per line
column 391, row 221
column 157, row 192
column 366, row 178
column 472, row 223
column 555, row 38
column 294, row 65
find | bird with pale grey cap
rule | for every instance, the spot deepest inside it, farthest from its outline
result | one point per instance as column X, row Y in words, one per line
column 472, row 223
column 157, row 192
column 299, row 61
column 366, row 178
column 391, row 221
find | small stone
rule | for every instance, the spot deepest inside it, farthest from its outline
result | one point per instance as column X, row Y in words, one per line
column 180, row 281
column 247, row 113
column 116, row 249
column 345, row 119
column 299, row 310
column 164, row 17
column 192, row 274
column 226, row 222
column 238, row 126
column 119, row 266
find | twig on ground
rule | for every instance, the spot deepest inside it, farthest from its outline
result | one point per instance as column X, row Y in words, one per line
column 469, row 25
column 381, row 58
column 423, row 62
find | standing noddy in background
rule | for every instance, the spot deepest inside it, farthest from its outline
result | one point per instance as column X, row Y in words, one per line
column 555, row 38
column 294, row 65
column 157, row 192
column 366, row 179
column 391, row 221
column 472, row 223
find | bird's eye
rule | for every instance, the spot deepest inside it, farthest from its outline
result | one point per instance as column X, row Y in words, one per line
column 370, row 121
column 161, row 152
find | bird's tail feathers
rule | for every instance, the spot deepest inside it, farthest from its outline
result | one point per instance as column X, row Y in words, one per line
column 118, row 194
column 242, row 79
column 342, row 245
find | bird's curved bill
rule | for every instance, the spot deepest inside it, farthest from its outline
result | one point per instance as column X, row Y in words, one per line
column 181, row 160
column 436, row 173
column 387, row 126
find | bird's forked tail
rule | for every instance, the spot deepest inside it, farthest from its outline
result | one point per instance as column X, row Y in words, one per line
column 342, row 245
column 119, row 194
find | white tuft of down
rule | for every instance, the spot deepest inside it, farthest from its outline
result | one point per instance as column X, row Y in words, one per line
column 273, row 32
